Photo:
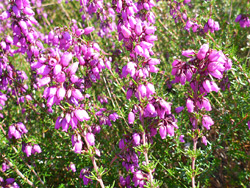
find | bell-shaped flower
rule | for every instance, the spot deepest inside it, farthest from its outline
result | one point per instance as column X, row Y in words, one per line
column 136, row 139
column 203, row 51
column 166, row 106
column 179, row 109
column 216, row 74
column 142, row 90
column 190, row 105
column 78, row 147
column 204, row 140
column 125, row 31
column 138, row 28
column 28, row 150
column 73, row 122
column 88, row 30
column 170, row 130
column 22, row 127
column 181, row 138
column 43, row 81
column 188, row 53
column 121, row 144
column 81, row 115
column 36, row 149
column 150, row 30
column 72, row 68
column 131, row 118
column 163, row 132
column 57, row 69
column 61, row 93
column 77, row 94
column 150, row 89
column 207, row 86
column 207, row 121
column 72, row 167
column 150, row 110
column 90, row 137
column 214, row 86
column 65, row 59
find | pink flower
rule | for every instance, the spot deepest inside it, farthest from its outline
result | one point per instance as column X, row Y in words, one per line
column 181, row 138
column 72, row 167
column 88, row 30
column 78, row 147
column 136, row 139
column 90, row 138
column 207, row 86
column 163, row 132
column 203, row 51
column 142, row 90
column 179, row 109
column 204, row 140
column 81, row 115
column 28, row 150
column 126, row 32
column 66, row 58
column 36, row 149
column 207, row 121
column 190, row 105
column 131, row 118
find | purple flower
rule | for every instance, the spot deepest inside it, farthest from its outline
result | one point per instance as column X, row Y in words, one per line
column 207, row 121
column 72, row 167
column 81, row 115
column 188, row 53
column 36, row 149
column 65, row 59
column 207, row 86
column 204, row 140
column 142, row 90
column 163, row 132
column 126, row 32
column 88, row 30
column 78, row 147
column 179, row 109
column 4, row 167
column 60, row 93
column 190, row 105
column 28, row 150
column 181, row 138
column 203, row 51
column 90, row 138
column 136, row 139
column 131, row 118
column 150, row 89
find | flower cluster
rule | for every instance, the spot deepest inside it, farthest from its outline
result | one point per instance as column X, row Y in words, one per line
column 211, row 26
column 9, row 182
column 84, row 174
column 29, row 148
column 207, row 64
column 17, row 130
column 243, row 20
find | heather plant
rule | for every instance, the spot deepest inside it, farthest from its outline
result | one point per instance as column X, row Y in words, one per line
column 124, row 93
